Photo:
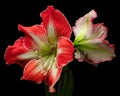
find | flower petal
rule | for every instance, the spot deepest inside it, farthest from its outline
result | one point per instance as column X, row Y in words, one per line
column 65, row 51
column 83, row 26
column 53, row 76
column 36, row 32
column 99, row 31
column 79, row 55
column 55, row 23
column 12, row 53
column 34, row 71
column 96, row 51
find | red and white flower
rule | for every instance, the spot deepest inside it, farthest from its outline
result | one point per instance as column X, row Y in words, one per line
column 90, row 42
column 45, row 49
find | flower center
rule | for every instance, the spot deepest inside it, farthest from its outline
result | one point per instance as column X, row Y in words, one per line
column 48, row 49
column 53, row 48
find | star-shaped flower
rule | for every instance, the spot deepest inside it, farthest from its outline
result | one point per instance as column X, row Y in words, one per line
column 90, row 42
column 45, row 49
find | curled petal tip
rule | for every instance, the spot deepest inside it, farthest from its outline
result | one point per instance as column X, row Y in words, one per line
column 51, row 89
column 19, row 27
column 55, row 22
column 93, row 13
column 22, row 78
column 50, row 7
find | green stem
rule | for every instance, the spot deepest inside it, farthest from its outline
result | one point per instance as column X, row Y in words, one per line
column 65, row 85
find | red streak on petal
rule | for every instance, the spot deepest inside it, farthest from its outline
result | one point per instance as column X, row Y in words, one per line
column 66, row 51
column 52, row 77
column 60, row 23
column 12, row 52
column 33, row 74
column 37, row 30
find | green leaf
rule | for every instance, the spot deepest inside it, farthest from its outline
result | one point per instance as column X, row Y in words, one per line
column 65, row 84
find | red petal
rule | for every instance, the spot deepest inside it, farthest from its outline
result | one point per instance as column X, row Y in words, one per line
column 52, row 77
column 34, row 71
column 12, row 52
column 36, row 32
column 65, row 51
column 29, row 43
column 55, row 17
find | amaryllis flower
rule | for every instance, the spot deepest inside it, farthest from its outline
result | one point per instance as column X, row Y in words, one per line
column 90, row 42
column 45, row 49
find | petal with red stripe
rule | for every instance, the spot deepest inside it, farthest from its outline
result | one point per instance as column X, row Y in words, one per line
column 36, row 32
column 13, row 53
column 34, row 71
column 55, row 23
column 65, row 51
column 53, row 76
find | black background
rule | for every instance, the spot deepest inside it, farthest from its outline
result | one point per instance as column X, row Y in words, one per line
column 88, row 79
